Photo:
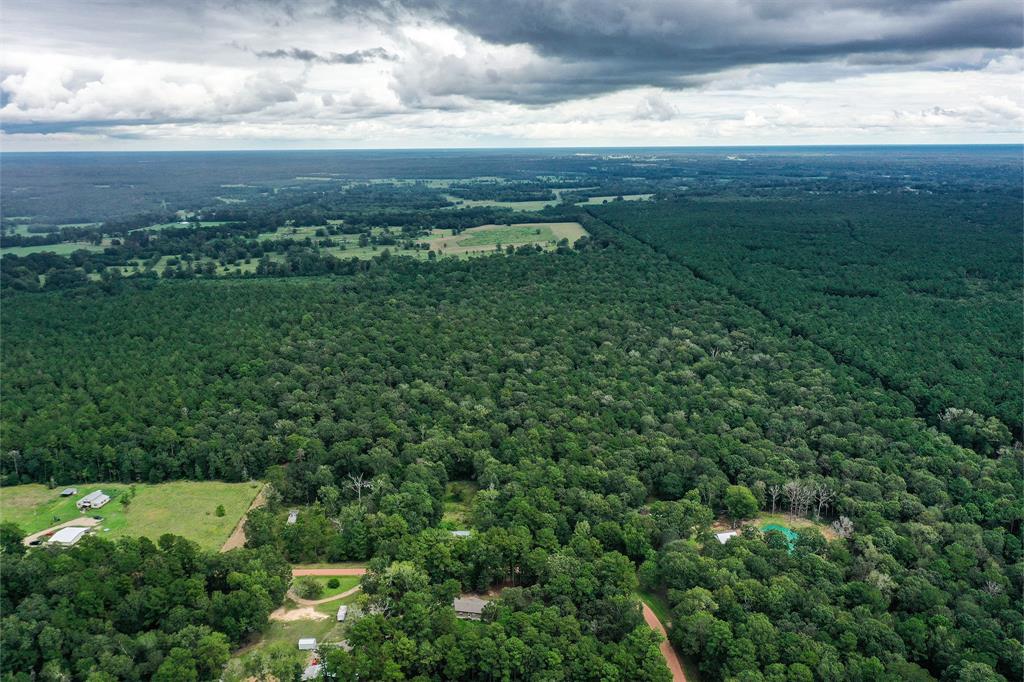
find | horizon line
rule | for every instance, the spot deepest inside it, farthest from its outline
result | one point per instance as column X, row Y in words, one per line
column 935, row 145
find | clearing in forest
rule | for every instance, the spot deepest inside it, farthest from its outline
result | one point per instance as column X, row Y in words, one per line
column 185, row 508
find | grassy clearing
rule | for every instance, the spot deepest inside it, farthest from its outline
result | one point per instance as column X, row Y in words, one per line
column 458, row 499
column 59, row 249
column 186, row 508
column 796, row 523
column 345, row 583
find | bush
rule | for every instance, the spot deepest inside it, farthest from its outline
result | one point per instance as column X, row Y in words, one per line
column 220, row 510
column 333, row 583
column 308, row 588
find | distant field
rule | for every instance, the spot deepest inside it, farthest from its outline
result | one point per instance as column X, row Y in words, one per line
column 186, row 508
column 608, row 199
column 514, row 205
column 476, row 241
column 59, row 249
column 491, row 235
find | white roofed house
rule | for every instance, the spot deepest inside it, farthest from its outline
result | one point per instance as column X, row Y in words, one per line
column 67, row 536
column 342, row 613
column 307, row 644
column 293, row 516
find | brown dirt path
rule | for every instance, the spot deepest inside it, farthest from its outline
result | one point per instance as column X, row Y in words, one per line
column 296, row 572
column 237, row 537
column 674, row 664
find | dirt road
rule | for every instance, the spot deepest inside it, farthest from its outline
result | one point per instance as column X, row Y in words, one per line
column 237, row 537
column 674, row 664
column 296, row 572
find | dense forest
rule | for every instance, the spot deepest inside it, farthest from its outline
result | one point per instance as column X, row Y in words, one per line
column 920, row 289
column 693, row 362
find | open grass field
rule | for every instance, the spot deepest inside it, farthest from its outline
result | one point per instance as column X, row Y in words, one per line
column 476, row 241
column 59, row 249
column 186, row 508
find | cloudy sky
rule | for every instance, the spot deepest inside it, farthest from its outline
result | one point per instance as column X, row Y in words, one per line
column 236, row 74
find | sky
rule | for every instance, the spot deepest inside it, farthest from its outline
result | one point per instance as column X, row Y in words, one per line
column 292, row 74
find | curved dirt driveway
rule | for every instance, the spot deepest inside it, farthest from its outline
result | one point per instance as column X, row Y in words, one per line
column 237, row 537
column 298, row 572
column 674, row 664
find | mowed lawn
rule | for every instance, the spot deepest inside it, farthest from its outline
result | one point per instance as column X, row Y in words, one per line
column 186, row 508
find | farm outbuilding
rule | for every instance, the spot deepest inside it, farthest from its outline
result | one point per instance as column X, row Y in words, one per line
column 293, row 516
column 68, row 492
column 93, row 500
column 725, row 537
column 307, row 644
column 342, row 613
column 462, row 533
column 67, row 536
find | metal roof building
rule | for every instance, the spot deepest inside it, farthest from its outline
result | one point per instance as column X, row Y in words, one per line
column 469, row 607
column 93, row 500
column 342, row 612
column 67, row 536
column 307, row 644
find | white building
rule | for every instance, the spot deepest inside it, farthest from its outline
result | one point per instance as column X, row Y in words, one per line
column 726, row 536
column 68, row 492
column 93, row 500
column 342, row 613
column 307, row 644
column 67, row 536
column 462, row 533
column 293, row 516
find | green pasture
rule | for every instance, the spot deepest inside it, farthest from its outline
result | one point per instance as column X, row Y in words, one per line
column 186, row 508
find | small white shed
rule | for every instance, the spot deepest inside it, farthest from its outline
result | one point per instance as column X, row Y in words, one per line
column 307, row 644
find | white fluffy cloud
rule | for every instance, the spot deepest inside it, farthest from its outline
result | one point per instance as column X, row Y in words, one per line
column 256, row 73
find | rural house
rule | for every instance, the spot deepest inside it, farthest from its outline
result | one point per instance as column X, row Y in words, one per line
column 469, row 608
column 93, row 500
column 67, row 536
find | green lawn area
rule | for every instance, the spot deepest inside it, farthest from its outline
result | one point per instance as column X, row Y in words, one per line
column 345, row 583
column 186, row 508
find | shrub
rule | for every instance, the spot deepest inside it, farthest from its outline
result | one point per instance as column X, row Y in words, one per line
column 333, row 583
column 308, row 588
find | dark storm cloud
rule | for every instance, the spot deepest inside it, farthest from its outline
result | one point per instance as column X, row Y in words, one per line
column 606, row 45
column 357, row 57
